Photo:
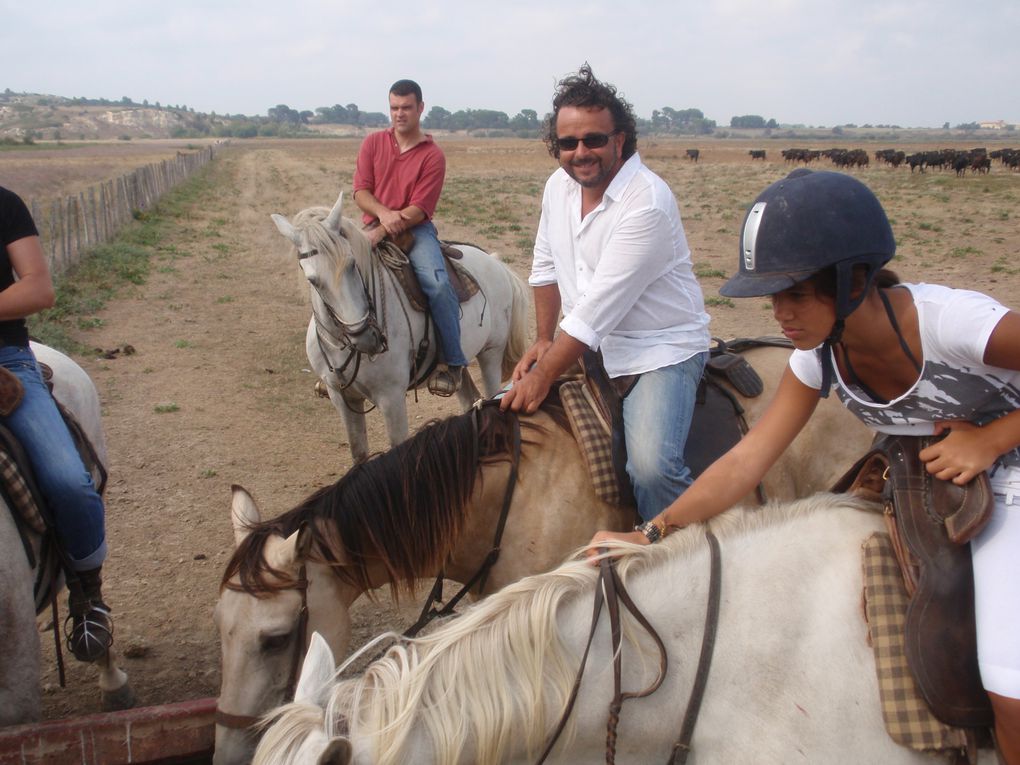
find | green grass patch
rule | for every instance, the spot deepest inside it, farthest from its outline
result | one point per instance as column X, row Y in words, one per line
column 703, row 272
column 166, row 408
column 107, row 270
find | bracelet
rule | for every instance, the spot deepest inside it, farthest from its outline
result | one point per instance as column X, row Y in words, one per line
column 653, row 531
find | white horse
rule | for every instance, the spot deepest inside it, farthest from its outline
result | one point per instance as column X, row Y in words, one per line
column 792, row 677
column 364, row 337
column 19, row 636
column 424, row 506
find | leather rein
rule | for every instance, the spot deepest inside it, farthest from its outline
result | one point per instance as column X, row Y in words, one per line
column 349, row 331
column 610, row 590
column 430, row 610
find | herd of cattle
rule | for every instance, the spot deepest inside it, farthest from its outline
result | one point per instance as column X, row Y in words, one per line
column 975, row 160
column 959, row 160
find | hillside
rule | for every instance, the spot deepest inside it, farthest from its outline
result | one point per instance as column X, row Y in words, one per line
column 46, row 117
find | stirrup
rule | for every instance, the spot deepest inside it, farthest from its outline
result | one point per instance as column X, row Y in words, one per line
column 89, row 635
column 446, row 381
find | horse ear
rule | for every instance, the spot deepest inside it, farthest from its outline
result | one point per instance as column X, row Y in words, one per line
column 332, row 222
column 286, row 229
column 244, row 513
column 317, row 671
column 295, row 547
column 337, row 752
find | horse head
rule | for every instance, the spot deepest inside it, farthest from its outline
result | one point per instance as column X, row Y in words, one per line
column 273, row 596
column 335, row 257
column 319, row 742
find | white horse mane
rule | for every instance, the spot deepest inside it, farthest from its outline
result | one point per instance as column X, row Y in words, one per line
column 497, row 674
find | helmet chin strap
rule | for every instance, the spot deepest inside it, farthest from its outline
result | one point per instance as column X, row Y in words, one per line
column 826, row 351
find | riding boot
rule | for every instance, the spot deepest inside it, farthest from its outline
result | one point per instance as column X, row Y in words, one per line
column 89, row 626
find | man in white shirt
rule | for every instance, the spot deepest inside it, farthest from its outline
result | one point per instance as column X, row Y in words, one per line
column 612, row 254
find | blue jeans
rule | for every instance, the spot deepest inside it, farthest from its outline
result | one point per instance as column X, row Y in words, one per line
column 65, row 484
column 427, row 260
column 656, row 420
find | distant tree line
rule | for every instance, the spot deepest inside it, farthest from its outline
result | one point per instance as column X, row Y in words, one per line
column 752, row 121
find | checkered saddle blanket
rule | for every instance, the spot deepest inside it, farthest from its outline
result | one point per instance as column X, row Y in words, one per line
column 594, row 437
column 908, row 719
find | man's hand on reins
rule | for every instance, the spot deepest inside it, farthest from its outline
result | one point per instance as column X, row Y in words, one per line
column 528, row 393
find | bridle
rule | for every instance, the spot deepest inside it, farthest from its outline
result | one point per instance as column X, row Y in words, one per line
column 349, row 332
column 246, row 722
column 429, row 611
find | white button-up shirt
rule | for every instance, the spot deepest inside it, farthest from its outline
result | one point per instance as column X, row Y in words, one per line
column 624, row 272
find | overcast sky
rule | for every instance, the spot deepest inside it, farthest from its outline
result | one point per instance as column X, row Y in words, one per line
column 913, row 63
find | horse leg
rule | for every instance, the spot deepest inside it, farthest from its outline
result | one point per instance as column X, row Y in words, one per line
column 351, row 411
column 393, row 406
column 113, row 682
column 490, row 363
column 468, row 393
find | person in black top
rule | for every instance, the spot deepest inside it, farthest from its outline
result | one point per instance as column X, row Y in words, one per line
column 77, row 509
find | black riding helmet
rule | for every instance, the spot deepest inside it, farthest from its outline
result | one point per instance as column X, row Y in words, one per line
column 804, row 224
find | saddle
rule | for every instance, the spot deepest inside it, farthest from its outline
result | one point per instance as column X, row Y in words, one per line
column 464, row 284
column 930, row 522
column 30, row 513
column 718, row 420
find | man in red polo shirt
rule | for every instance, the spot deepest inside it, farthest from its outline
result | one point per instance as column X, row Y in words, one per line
column 397, row 182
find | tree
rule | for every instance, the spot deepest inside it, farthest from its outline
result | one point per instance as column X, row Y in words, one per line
column 283, row 114
column 525, row 119
column 438, row 118
column 748, row 121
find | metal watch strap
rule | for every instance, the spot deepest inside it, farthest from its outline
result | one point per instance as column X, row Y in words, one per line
column 651, row 530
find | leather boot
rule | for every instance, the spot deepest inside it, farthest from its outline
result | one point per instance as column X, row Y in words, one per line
column 89, row 626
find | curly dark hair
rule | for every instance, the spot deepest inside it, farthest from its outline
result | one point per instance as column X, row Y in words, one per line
column 582, row 89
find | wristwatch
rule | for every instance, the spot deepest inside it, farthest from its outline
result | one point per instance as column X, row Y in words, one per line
column 653, row 531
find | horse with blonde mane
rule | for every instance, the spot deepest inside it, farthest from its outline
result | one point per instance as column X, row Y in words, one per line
column 792, row 678
column 432, row 504
column 366, row 341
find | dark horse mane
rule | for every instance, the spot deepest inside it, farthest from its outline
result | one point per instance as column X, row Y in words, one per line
column 404, row 508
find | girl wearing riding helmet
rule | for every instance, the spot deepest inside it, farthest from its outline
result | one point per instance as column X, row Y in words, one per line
column 906, row 359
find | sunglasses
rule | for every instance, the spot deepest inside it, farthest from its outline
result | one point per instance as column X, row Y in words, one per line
column 590, row 141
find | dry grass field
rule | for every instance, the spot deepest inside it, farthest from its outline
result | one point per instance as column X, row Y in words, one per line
column 47, row 171
column 219, row 393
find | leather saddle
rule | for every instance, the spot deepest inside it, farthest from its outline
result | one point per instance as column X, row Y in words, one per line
column 29, row 510
column 931, row 522
column 718, row 421
column 464, row 284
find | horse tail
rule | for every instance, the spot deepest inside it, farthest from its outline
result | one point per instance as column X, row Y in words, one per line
column 517, row 337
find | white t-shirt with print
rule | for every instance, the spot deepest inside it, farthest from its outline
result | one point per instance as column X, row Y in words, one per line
column 954, row 384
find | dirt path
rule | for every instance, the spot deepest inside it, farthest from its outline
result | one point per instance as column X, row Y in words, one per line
column 218, row 392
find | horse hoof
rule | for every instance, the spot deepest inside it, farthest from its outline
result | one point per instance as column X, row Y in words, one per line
column 119, row 698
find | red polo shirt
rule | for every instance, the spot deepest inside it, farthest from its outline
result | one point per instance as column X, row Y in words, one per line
column 414, row 177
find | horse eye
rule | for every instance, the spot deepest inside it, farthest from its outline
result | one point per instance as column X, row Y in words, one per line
column 273, row 643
